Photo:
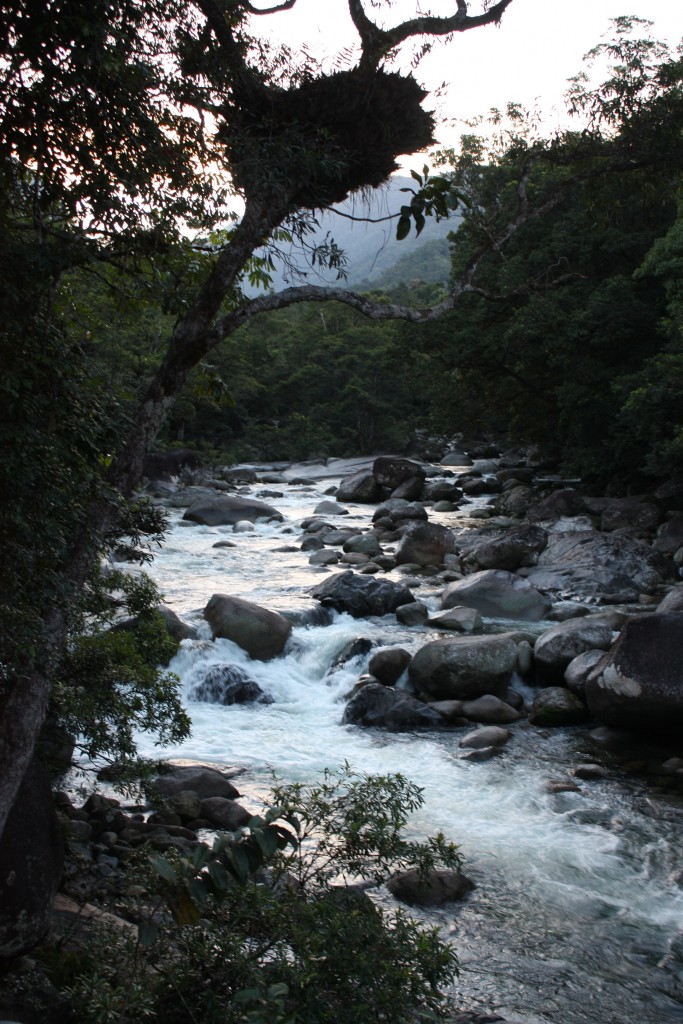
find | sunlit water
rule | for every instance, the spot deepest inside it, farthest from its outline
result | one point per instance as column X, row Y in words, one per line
column 577, row 914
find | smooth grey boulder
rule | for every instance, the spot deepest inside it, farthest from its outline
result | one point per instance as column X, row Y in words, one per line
column 560, row 644
column 424, row 543
column 673, row 602
column 578, row 670
column 629, row 514
column 260, row 632
column 361, row 595
column 638, row 684
column 362, row 543
column 391, row 709
column 509, row 550
column 414, row 614
column 228, row 684
column 555, row 706
column 463, row 668
column 609, row 568
column 360, row 487
column 204, row 780
column 330, row 508
column 388, row 665
column 227, row 510
column 488, row 736
column 670, row 535
column 438, row 886
column 224, row 814
column 499, row 594
column 489, row 710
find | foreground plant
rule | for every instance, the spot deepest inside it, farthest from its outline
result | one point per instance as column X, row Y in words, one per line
column 263, row 927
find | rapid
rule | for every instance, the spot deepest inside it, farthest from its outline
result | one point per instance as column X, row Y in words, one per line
column 577, row 912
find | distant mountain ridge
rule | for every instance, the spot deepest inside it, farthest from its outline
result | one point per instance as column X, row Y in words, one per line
column 374, row 256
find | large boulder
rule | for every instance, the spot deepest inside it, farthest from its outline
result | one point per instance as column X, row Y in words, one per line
column 391, row 472
column 258, row 631
column 202, row 779
column 388, row 708
column 31, row 865
column 361, row 595
column 605, row 567
column 425, row 544
column 508, row 550
column 464, row 667
column 560, row 644
column 638, row 684
column 360, row 487
column 431, row 888
column 499, row 594
column 228, row 509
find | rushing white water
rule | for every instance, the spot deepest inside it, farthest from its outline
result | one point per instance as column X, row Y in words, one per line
column 577, row 914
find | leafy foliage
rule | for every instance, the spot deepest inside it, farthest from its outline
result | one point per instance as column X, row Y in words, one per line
column 263, row 931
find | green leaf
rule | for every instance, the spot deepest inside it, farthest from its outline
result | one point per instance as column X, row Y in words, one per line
column 163, row 868
column 402, row 228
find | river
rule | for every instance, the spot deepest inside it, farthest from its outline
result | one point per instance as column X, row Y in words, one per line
column 577, row 913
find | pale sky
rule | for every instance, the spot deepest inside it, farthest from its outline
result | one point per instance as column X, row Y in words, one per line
column 528, row 59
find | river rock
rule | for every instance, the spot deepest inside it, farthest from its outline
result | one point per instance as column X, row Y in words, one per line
column 629, row 514
column 414, row 614
column 560, row 644
column 437, row 886
column 638, row 684
column 228, row 684
column 609, row 568
column 488, row 736
column 224, row 814
column 555, row 706
column 463, row 668
column 390, row 472
column 31, row 865
column 509, row 550
column 397, row 510
column 673, row 602
column 324, row 557
column 388, row 665
column 670, row 535
column 578, row 670
column 497, row 593
column 456, row 457
column 425, row 544
column 330, row 508
column 227, row 510
column 361, row 595
column 441, row 490
column 516, row 501
column 359, row 487
column 175, row 626
column 362, row 543
column 490, row 710
column 565, row 501
column 204, row 780
column 460, row 619
column 387, row 708
column 260, row 632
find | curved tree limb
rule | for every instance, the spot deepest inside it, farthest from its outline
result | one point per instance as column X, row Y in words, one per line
column 377, row 42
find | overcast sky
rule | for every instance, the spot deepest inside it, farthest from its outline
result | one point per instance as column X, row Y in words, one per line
column 528, row 59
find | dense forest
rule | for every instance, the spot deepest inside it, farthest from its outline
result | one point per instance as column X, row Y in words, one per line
column 158, row 163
